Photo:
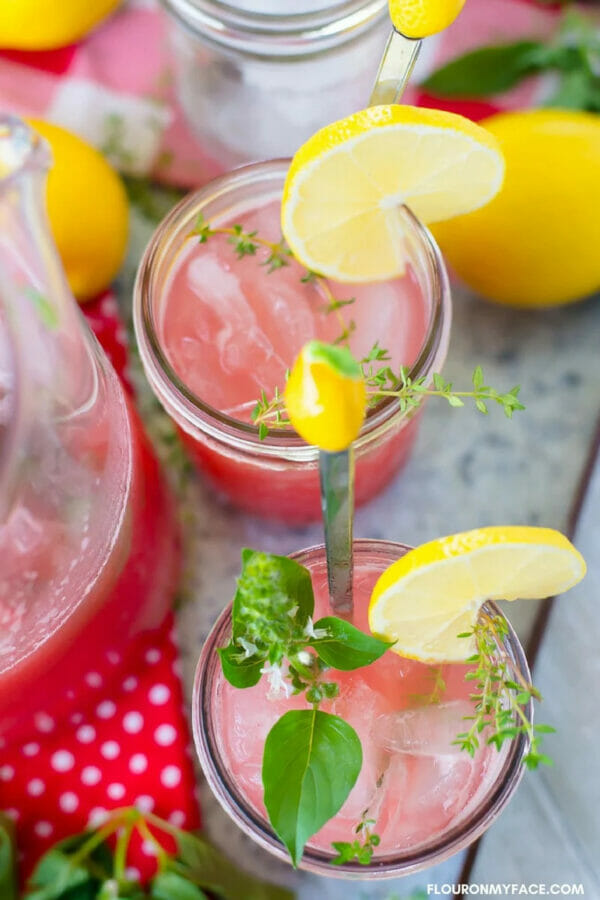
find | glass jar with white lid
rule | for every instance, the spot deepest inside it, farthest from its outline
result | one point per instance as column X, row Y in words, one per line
column 255, row 78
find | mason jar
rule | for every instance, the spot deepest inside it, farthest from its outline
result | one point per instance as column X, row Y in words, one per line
column 276, row 476
column 255, row 83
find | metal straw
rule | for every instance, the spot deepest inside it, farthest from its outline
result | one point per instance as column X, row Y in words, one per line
column 337, row 469
column 395, row 68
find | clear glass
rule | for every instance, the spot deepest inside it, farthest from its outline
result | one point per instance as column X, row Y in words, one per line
column 256, row 82
column 213, row 737
column 278, row 477
column 88, row 543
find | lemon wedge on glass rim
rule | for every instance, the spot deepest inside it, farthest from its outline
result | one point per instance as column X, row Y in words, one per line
column 428, row 597
column 341, row 210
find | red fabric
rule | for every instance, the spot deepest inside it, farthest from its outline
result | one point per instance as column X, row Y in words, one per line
column 55, row 61
column 473, row 109
column 131, row 748
column 103, row 318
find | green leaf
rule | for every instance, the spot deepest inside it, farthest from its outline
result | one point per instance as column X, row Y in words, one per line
column 204, row 866
column 8, row 866
column 171, row 886
column 339, row 358
column 239, row 672
column 310, row 764
column 57, row 878
column 264, row 574
column 345, row 646
column 578, row 89
column 486, row 71
column 121, row 890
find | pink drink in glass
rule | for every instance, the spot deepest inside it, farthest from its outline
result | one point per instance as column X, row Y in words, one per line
column 215, row 331
column 427, row 797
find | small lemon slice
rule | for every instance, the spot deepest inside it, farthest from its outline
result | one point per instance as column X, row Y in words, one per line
column 434, row 593
column 342, row 201
column 325, row 396
column 422, row 18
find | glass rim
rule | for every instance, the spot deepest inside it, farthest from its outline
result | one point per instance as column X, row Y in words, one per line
column 279, row 35
column 185, row 406
column 449, row 842
column 27, row 150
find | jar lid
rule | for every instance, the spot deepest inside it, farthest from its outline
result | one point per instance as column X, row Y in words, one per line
column 257, row 27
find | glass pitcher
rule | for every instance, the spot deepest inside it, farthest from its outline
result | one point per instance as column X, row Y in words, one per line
column 88, row 543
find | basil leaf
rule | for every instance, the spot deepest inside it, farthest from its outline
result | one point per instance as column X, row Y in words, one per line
column 239, row 672
column 310, row 764
column 126, row 890
column 57, row 878
column 345, row 646
column 171, row 886
column 265, row 572
column 487, row 71
column 8, row 868
column 204, row 866
column 577, row 90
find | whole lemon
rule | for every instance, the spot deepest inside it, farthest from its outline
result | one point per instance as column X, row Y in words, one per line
column 536, row 243
column 88, row 210
column 48, row 24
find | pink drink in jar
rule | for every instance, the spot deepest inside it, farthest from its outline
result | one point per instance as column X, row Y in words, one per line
column 215, row 331
column 427, row 797
column 88, row 539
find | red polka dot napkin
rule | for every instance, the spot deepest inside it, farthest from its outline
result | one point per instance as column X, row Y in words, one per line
column 132, row 745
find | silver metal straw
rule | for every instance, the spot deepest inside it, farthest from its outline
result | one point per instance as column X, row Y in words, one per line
column 337, row 469
column 337, row 502
column 395, row 68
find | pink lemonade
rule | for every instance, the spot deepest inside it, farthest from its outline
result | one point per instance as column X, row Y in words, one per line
column 228, row 329
column 81, row 593
column 88, row 539
column 414, row 783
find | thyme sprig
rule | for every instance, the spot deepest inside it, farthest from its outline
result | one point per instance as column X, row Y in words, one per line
column 501, row 695
column 380, row 378
column 381, row 382
column 361, row 849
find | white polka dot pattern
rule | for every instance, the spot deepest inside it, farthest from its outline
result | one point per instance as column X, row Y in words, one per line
column 131, row 747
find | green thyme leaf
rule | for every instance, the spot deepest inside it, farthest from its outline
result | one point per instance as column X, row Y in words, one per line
column 8, row 866
column 486, row 71
column 346, row 647
column 311, row 762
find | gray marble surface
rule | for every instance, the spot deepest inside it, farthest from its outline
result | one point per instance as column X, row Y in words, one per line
column 552, row 828
column 467, row 470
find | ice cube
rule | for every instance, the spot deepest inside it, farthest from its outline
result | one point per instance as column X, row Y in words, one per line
column 424, row 730
column 422, row 796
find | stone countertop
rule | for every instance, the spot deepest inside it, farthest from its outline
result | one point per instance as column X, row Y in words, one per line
column 467, row 470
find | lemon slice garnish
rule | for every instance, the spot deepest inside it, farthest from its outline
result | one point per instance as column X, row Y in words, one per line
column 342, row 201
column 434, row 593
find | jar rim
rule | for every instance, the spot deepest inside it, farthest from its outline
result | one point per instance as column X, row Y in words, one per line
column 267, row 34
column 450, row 841
column 186, row 407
